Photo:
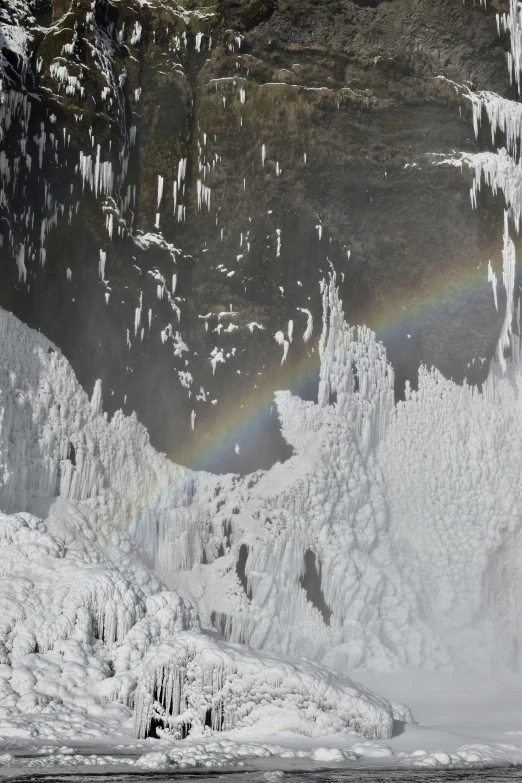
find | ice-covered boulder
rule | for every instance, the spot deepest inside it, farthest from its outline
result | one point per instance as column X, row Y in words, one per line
column 194, row 681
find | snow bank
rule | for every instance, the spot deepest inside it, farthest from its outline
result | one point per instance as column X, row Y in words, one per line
column 227, row 753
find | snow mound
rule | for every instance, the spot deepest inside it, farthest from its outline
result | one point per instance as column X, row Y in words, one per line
column 193, row 681
column 63, row 609
column 227, row 753
column 85, row 634
column 478, row 755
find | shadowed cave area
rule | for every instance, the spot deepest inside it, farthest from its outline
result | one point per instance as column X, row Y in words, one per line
column 311, row 583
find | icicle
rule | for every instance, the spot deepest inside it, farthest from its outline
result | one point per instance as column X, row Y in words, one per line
column 309, row 324
column 137, row 316
column 508, row 279
column 96, row 399
column 136, row 34
column 20, row 262
column 492, row 278
column 101, row 264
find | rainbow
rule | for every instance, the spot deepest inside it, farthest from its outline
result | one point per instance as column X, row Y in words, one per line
column 240, row 422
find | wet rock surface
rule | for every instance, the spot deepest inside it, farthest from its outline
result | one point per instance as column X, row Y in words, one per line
column 315, row 127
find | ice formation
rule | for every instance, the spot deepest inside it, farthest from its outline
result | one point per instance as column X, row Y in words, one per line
column 390, row 538
column 87, row 628
column 191, row 681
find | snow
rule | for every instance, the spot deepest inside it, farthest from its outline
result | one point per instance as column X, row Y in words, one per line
column 462, row 721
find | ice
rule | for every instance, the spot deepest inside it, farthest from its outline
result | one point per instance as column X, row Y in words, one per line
column 385, row 527
column 101, row 264
column 389, row 539
column 136, row 33
column 87, row 629
column 503, row 115
column 309, row 323
column 191, row 680
column 508, row 279
column 492, row 278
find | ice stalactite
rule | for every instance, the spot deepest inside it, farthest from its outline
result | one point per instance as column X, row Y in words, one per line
column 20, row 262
column 137, row 314
column 492, row 278
column 508, row 279
column 182, row 172
column 511, row 22
column 309, row 323
column 72, row 83
column 97, row 174
column 503, row 115
column 204, row 194
column 190, row 682
column 136, row 33
column 101, row 264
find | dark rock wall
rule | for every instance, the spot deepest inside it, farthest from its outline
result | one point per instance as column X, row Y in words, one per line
column 350, row 85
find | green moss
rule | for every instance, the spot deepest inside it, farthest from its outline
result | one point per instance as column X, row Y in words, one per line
column 256, row 12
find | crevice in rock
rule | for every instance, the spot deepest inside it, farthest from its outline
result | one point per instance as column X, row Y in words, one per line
column 311, row 583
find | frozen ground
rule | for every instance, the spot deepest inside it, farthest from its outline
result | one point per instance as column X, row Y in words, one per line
column 463, row 721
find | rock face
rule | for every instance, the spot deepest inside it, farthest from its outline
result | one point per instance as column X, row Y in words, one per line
column 176, row 179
